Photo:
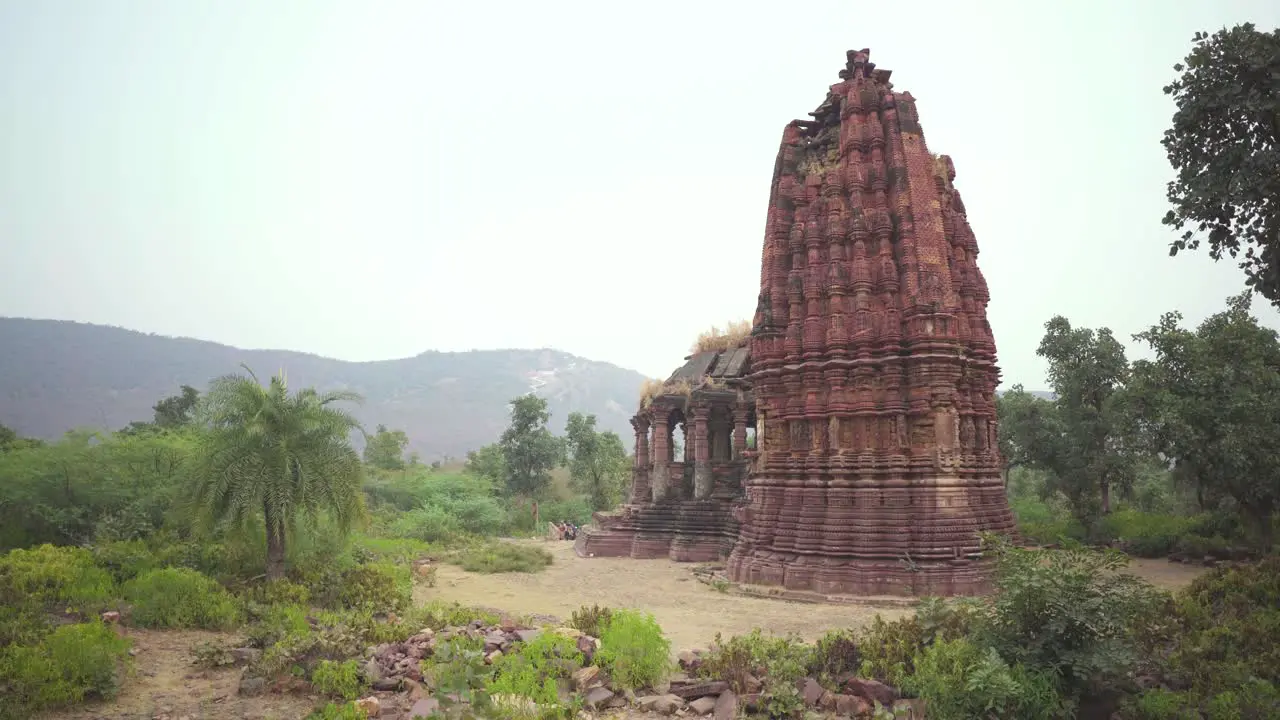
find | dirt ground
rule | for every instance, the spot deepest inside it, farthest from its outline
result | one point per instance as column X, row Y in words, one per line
column 689, row 611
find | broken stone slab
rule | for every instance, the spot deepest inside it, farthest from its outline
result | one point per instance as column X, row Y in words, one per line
column 704, row 705
column 423, row 708
column 811, row 691
column 370, row 706
column 726, row 707
column 386, row 684
column 528, row 635
column 872, row 690
column 251, row 686
column 852, row 705
column 692, row 692
column 246, row 655
column 599, row 697
column 587, row 678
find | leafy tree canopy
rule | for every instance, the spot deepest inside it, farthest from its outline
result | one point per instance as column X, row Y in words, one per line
column 1225, row 146
column 1210, row 401
column 529, row 450
column 385, row 448
column 597, row 461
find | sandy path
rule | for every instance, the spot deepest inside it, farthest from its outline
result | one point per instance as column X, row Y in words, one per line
column 689, row 611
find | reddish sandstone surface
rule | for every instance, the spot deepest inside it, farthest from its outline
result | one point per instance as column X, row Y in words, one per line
column 869, row 380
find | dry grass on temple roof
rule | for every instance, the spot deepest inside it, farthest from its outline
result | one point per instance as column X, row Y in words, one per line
column 649, row 390
column 717, row 340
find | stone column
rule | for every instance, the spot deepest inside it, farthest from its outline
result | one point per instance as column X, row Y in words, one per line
column 660, row 473
column 739, row 430
column 703, row 480
column 640, row 491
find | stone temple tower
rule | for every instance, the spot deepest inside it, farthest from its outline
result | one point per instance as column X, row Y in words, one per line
column 872, row 363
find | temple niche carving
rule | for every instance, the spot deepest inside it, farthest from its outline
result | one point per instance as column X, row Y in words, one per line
column 869, row 377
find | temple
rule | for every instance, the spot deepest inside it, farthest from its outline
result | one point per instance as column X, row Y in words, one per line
column 868, row 379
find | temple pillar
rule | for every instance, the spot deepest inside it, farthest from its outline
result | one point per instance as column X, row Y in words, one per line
column 703, row 480
column 739, row 430
column 640, row 490
column 660, row 474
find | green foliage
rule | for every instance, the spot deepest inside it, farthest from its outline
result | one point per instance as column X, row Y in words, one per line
column 488, row 463
column 889, row 649
column 1224, row 143
column 1070, row 613
column 457, row 668
column 779, row 662
column 960, row 680
column 274, row 623
column 529, row 450
column 532, row 672
column 380, row 587
column 55, row 579
column 180, row 598
column 835, row 654
column 124, row 559
column 500, row 557
column 633, row 649
column 385, row 448
column 337, row 679
column 591, row 620
column 1211, row 400
column 331, row 711
column 74, row 663
column 267, row 455
column 1147, row 534
column 438, row 615
column 597, row 461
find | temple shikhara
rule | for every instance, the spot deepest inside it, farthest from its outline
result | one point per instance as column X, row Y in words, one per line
column 847, row 444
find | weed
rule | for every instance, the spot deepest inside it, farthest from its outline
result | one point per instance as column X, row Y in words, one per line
column 180, row 598
column 633, row 649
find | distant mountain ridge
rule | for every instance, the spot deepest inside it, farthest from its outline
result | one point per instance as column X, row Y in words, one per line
column 56, row 375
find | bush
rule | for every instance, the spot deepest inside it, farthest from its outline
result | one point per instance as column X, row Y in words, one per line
column 633, row 649
column 500, row 557
column 74, row 663
column 429, row 524
column 591, row 620
column 438, row 615
column 532, row 672
column 345, row 711
column 1145, row 534
column 835, row 654
column 54, row 578
column 778, row 662
column 959, row 680
column 277, row 592
column 337, row 679
column 381, row 587
column 125, row 559
column 180, row 598
column 276, row 622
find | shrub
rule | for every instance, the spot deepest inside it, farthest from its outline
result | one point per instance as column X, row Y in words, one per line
column 634, row 650
column 180, row 598
column 54, row 578
column 591, row 620
column 778, row 662
column 532, row 672
column 381, row 587
column 1146, row 534
column 345, row 711
column 337, row 679
column 959, row 680
column 457, row 668
column 277, row 592
column 438, row 615
column 125, row 559
column 500, row 557
column 835, row 654
column 1070, row 613
column 430, row 524
column 889, row 649
column 275, row 622
column 72, row 664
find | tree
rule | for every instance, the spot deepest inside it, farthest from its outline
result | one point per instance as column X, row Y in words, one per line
column 529, row 450
column 1210, row 401
column 1028, row 429
column 171, row 413
column 1081, row 444
column 1225, row 146
column 488, row 463
column 264, row 453
column 385, row 448
column 597, row 461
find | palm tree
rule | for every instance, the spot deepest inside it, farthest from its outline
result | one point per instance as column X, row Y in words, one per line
column 266, row 453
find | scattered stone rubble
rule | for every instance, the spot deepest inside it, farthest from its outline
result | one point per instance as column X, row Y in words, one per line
column 393, row 672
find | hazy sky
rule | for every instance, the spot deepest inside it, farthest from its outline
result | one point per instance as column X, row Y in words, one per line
column 368, row 180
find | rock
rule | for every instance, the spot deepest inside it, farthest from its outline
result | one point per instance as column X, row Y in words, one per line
column 598, row 697
column 646, row 702
column 571, row 633
column 423, row 708
column 753, row 685
column 492, row 657
column 726, row 706
column 811, row 691
column 507, row 624
column 668, row 704
column 372, row 671
column 414, row 688
column 587, row 646
column 686, row 658
column 909, row 709
column 246, row 655
column 680, row 678
column 751, row 702
column 251, row 686
column 494, row 641
column 703, row 705
column 587, row 678
column 852, row 705
column 873, row 690
column 691, row 692
column 827, row 701
column 527, row 635
column 111, row 617
column 370, row 706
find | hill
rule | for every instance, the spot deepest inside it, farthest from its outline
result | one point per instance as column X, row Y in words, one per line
column 56, row 375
